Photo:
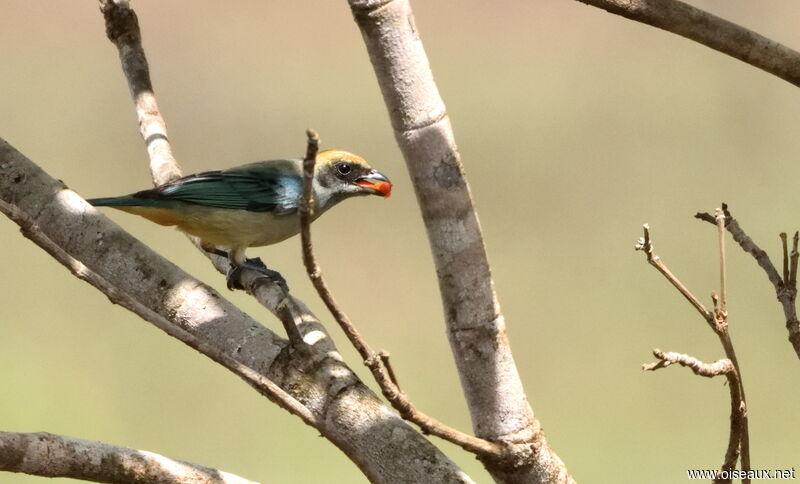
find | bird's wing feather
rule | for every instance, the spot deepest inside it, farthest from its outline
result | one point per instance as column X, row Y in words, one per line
column 258, row 187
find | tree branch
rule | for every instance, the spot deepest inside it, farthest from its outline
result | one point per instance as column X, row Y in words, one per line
column 712, row 31
column 475, row 325
column 376, row 362
column 49, row 455
column 786, row 286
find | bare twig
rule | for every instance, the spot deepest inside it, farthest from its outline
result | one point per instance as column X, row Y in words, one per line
column 785, row 289
column 376, row 362
column 646, row 245
column 388, row 364
column 782, row 235
column 719, row 367
column 712, row 31
column 738, row 439
column 49, row 455
column 722, row 308
column 793, row 268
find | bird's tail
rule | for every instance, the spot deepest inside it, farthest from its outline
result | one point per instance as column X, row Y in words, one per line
column 147, row 208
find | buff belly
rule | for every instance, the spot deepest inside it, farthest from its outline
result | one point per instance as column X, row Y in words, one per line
column 235, row 229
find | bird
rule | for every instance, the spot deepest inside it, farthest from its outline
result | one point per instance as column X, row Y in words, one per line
column 251, row 205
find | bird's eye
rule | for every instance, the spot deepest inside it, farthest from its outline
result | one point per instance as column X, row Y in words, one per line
column 344, row 168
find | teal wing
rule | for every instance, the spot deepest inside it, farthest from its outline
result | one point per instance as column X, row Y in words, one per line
column 273, row 186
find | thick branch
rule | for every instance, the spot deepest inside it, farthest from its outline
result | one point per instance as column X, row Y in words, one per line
column 475, row 325
column 786, row 286
column 712, row 31
column 378, row 363
column 49, row 455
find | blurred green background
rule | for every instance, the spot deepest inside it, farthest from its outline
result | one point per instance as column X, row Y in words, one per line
column 575, row 126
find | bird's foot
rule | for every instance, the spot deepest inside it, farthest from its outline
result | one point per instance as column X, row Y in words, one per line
column 235, row 274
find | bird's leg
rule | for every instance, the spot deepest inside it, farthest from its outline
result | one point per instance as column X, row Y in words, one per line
column 234, row 277
column 235, row 274
column 212, row 249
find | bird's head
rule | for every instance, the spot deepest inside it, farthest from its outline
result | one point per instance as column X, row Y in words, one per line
column 341, row 175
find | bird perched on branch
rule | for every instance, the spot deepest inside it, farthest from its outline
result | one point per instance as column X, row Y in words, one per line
column 251, row 205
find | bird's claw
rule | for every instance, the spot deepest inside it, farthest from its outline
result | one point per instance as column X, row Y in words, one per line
column 234, row 277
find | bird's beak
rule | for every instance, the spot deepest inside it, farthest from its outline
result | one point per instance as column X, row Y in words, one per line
column 376, row 181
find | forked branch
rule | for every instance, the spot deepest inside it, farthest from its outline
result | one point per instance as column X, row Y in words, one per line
column 738, row 439
column 785, row 284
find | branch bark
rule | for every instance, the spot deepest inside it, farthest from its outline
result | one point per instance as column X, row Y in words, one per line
column 49, row 455
column 712, row 31
column 475, row 325
column 336, row 403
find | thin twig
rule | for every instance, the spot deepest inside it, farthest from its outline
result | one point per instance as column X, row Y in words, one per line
column 792, row 285
column 712, row 31
column 738, row 442
column 721, row 300
column 710, row 370
column 374, row 361
column 388, row 364
column 786, row 291
column 738, row 439
column 50, row 455
column 723, row 303
column 646, row 245
column 785, row 246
